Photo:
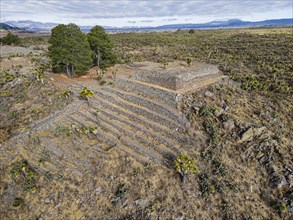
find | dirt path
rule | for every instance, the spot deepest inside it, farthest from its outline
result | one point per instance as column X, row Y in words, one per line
column 91, row 79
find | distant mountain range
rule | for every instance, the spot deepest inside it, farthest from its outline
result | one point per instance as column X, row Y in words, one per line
column 234, row 23
column 33, row 26
column 8, row 27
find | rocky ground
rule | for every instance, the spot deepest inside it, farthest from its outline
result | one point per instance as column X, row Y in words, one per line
column 249, row 144
column 13, row 51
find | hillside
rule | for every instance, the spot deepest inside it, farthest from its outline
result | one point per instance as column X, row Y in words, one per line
column 8, row 27
column 221, row 97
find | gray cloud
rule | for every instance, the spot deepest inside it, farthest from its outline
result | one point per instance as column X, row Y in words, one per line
column 147, row 21
column 170, row 19
column 98, row 9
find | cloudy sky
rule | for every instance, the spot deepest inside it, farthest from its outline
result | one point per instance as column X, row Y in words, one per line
column 142, row 12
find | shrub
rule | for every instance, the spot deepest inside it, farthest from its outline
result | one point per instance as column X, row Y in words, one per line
column 24, row 174
column 10, row 39
column 188, row 61
column 191, row 31
column 206, row 111
column 211, row 128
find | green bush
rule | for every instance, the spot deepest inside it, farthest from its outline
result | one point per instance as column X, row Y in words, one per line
column 206, row 111
column 10, row 39
column 191, row 31
column 212, row 130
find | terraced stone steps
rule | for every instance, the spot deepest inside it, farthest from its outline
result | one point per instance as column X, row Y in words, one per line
column 137, row 143
column 114, row 136
column 45, row 123
column 60, row 155
column 34, row 153
column 88, row 149
column 102, row 133
column 204, row 82
column 69, row 153
column 138, row 118
column 67, row 158
column 7, row 154
column 147, row 140
column 166, row 96
column 156, row 136
column 148, row 113
column 155, row 105
column 106, row 105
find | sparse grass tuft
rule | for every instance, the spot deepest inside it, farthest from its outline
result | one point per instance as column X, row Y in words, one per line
column 23, row 174
column 205, row 185
column 120, row 194
column 212, row 130
column 59, row 130
column 219, row 167
column 206, row 111
column 17, row 203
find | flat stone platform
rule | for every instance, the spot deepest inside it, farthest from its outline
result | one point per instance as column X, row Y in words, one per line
column 176, row 76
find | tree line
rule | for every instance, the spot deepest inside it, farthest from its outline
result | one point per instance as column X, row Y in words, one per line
column 74, row 52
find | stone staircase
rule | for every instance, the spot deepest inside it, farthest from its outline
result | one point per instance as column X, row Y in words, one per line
column 138, row 118
column 142, row 122
column 144, row 128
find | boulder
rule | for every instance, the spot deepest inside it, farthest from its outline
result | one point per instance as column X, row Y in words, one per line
column 250, row 133
column 229, row 125
column 247, row 135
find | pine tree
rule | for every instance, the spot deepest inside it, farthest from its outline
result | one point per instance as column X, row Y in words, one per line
column 101, row 45
column 69, row 50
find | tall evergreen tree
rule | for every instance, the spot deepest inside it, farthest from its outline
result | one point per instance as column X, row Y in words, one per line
column 69, row 50
column 101, row 45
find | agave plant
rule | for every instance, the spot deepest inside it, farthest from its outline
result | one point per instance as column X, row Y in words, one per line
column 65, row 93
column 86, row 93
column 185, row 165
